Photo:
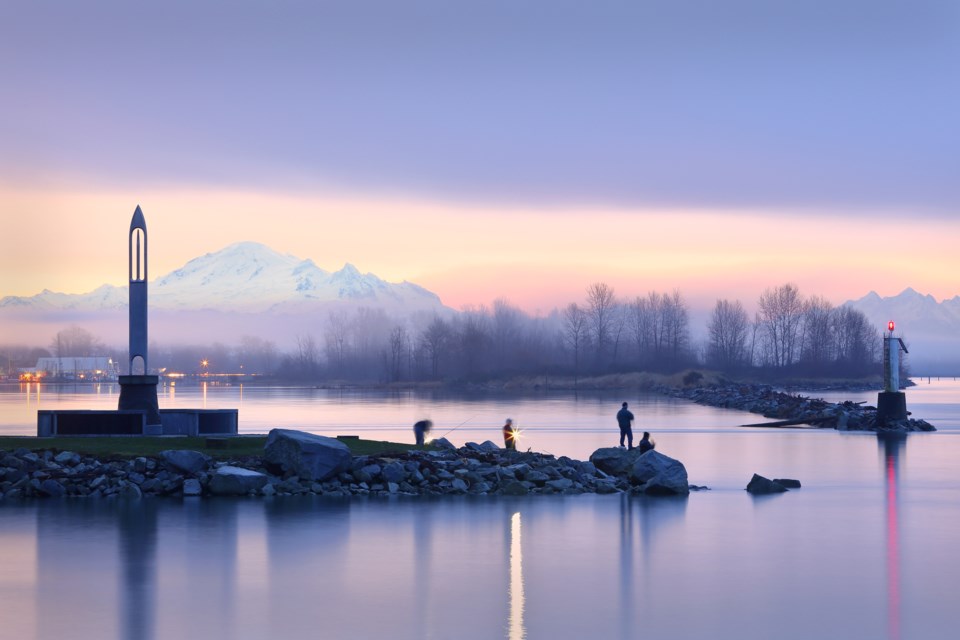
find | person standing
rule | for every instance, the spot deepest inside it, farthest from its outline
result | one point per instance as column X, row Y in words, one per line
column 625, row 420
column 420, row 429
column 509, row 435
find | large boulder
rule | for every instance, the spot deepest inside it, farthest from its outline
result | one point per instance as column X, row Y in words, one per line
column 235, row 481
column 309, row 456
column 657, row 474
column 184, row 460
column 613, row 460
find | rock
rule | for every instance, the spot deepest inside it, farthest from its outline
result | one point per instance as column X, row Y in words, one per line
column 759, row 485
column 184, row 460
column 394, row 472
column 268, row 490
column 659, row 474
column 235, row 481
column 191, row 487
column 443, row 443
column 459, row 485
column 68, row 458
column 52, row 488
column 490, row 446
column 560, row 485
column 788, row 483
column 130, row 490
column 614, row 460
column 476, row 448
column 305, row 454
column 393, row 487
column 537, row 477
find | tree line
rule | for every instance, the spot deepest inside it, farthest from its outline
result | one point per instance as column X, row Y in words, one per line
column 789, row 334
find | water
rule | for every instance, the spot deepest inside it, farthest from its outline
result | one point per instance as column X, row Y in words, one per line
column 865, row 550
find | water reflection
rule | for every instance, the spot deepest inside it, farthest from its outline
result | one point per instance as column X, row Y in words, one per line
column 138, row 551
column 892, row 446
column 653, row 515
column 517, row 629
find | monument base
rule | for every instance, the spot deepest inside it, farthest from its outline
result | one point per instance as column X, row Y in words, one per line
column 140, row 393
column 891, row 407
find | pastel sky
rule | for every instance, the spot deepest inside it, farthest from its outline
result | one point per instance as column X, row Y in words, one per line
column 494, row 148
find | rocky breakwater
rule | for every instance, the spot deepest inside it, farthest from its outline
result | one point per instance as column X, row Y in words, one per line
column 297, row 463
column 789, row 409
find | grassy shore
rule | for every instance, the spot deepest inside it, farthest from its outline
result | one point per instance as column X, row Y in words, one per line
column 134, row 446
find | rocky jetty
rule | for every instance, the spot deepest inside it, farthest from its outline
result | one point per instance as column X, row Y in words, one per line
column 794, row 409
column 475, row 469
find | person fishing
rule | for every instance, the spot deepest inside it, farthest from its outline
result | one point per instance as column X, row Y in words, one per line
column 420, row 429
column 509, row 435
column 625, row 420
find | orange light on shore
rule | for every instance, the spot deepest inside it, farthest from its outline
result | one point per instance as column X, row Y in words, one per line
column 890, row 326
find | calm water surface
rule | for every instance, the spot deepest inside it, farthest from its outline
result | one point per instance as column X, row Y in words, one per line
column 867, row 549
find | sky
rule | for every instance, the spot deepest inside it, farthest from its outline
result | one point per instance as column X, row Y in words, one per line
column 494, row 148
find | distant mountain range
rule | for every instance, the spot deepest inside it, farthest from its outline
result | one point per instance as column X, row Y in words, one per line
column 245, row 289
column 930, row 329
column 250, row 289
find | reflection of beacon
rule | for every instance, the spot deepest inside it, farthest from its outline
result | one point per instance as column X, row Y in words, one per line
column 891, row 402
column 138, row 391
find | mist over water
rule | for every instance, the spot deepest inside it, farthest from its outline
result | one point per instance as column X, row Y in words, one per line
column 864, row 550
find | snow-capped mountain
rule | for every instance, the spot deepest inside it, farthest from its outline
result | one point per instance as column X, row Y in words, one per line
column 244, row 289
column 931, row 329
column 246, row 277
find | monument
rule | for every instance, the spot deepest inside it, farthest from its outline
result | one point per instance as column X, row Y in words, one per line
column 891, row 402
column 138, row 390
column 138, row 411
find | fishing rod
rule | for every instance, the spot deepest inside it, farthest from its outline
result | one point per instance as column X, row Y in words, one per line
column 457, row 427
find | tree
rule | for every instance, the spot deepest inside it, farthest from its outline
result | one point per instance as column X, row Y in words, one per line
column 574, row 332
column 728, row 328
column 336, row 340
column 399, row 346
column 781, row 311
column 76, row 341
column 435, row 340
column 506, row 330
column 600, row 303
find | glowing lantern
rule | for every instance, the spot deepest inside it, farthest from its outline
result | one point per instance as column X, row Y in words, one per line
column 890, row 326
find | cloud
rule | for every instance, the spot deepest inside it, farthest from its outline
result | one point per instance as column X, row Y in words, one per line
column 744, row 103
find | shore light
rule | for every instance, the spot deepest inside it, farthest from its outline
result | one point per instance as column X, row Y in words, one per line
column 890, row 326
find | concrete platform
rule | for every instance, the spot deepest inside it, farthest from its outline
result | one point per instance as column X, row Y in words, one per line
column 174, row 422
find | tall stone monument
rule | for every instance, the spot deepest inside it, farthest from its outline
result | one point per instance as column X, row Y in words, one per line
column 138, row 390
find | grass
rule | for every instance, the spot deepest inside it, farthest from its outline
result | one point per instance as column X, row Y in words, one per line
column 134, row 446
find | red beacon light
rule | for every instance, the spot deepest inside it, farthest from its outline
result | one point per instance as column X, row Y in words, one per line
column 890, row 326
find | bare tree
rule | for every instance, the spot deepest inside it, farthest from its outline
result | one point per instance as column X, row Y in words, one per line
column 575, row 332
column 506, row 330
column 435, row 339
column 75, row 341
column 600, row 303
column 781, row 310
column 399, row 347
column 728, row 328
column 308, row 356
column 817, row 346
column 336, row 340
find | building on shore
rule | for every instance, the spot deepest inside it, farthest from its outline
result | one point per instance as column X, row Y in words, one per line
column 75, row 369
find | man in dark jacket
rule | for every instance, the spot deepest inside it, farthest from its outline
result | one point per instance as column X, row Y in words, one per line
column 625, row 420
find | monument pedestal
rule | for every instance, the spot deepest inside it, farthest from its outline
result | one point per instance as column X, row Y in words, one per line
column 140, row 393
column 891, row 407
